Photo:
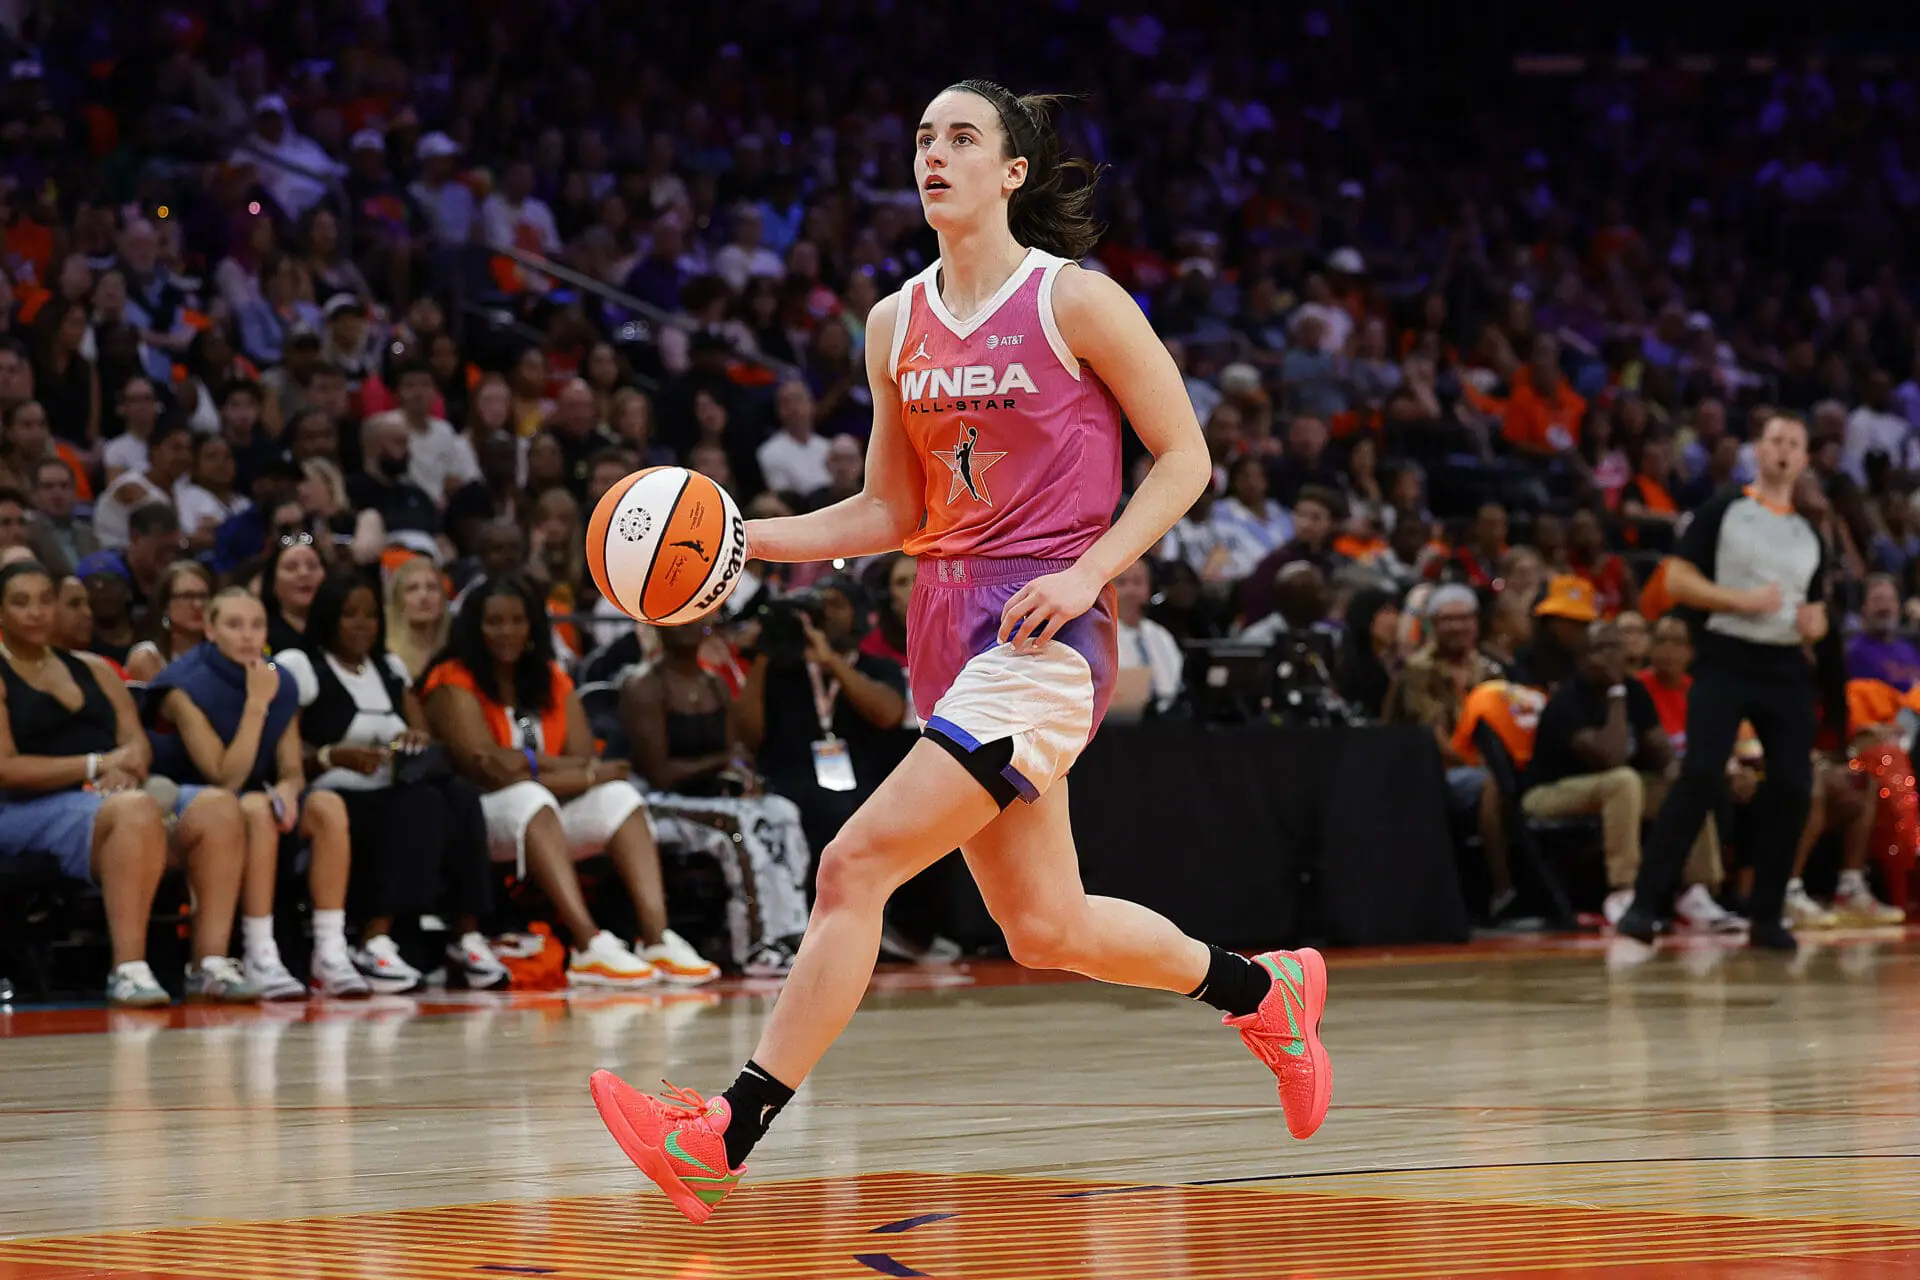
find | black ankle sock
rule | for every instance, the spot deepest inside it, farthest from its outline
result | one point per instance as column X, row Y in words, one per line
column 1235, row 985
column 756, row 1098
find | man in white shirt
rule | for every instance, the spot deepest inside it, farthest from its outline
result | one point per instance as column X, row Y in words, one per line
column 514, row 218
column 440, row 459
column 449, row 203
column 1150, row 659
column 746, row 257
column 294, row 170
column 794, row 458
column 1875, row 428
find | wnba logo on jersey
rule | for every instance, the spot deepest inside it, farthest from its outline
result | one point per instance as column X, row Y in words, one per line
column 964, row 383
column 968, row 463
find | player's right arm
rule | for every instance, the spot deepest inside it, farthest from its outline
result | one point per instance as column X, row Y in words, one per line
column 891, row 504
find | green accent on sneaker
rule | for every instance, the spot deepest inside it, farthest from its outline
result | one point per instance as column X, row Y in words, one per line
column 1288, row 970
column 715, row 1194
column 673, row 1148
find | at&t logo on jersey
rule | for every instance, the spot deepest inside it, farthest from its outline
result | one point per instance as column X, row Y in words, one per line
column 964, row 385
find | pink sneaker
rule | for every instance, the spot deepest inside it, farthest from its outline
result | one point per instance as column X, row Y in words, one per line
column 676, row 1141
column 1284, row 1033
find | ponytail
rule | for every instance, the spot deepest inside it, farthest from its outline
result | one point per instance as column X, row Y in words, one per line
column 1047, row 212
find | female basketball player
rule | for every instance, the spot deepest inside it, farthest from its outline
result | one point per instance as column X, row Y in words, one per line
column 999, row 375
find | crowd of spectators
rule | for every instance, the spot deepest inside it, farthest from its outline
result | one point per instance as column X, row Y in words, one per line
column 402, row 288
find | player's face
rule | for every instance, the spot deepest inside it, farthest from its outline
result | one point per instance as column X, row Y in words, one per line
column 1782, row 451
column 959, row 160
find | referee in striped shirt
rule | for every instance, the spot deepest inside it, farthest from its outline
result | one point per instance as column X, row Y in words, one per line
column 1753, row 566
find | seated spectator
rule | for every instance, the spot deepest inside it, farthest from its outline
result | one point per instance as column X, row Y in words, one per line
column 74, row 764
column 209, row 497
column 418, row 614
column 1408, row 555
column 1512, row 711
column 1369, row 650
column 1476, row 562
column 137, row 406
column 683, row 726
column 224, row 716
column 1316, row 517
column 1150, row 658
column 1636, row 640
column 1587, row 556
column 1195, row 543
column 1250, row 525
column 59, row 541
column 107, row 622
column 1542, row 413
column 440, row 461
column 73, row 619
column 169, row 459
column 1598, row 749
column 289, row 581
column 1879, row 652
column 176, row 623
column 1522, row 576
column 793, row 461
column 153, row 543
column 515, row 727
column 411, row 517
column 1509, row 633
column 807, row 678
column 361, row 724
column 28, row 441
column 1306, row 462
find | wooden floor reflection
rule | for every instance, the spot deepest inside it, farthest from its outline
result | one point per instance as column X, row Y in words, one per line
column 1556, row 1109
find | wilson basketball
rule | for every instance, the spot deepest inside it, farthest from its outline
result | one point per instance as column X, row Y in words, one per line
column 666, row 545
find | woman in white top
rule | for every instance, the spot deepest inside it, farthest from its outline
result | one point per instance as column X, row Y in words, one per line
column 169, row 456
column 1251, row 525
column 209, row 499
column 137, row 405
column 362, row 729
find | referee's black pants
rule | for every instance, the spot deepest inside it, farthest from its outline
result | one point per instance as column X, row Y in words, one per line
column 1781, row 705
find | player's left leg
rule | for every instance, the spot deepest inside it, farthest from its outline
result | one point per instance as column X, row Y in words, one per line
column 1029, row 876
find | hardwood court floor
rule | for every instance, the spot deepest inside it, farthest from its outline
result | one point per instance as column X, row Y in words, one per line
column 1523, row 1110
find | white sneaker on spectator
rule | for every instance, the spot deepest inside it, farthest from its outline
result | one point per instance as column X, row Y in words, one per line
column 266, row 973
column 1854, row 903
column 386, row 971
column 937, row 951
column 218, row 980
column 1616, row 906
column 333, row 975
column 1799, row 911
column 473, row 961
column 133, row 986
column 1699, row 913
column 773, row 960
column 607, row 962
column 675, row 960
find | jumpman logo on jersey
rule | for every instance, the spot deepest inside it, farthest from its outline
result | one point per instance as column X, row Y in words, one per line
column 969, row 466
column 920, row 352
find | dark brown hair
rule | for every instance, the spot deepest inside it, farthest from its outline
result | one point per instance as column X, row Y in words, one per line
column 1047, row 212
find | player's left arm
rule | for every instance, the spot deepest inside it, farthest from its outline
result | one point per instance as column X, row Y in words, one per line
column 1103, row 326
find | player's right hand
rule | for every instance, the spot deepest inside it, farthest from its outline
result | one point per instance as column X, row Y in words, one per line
column 1763, row 599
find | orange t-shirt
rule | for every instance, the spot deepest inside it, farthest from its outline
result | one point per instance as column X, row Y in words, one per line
column 1511, row 710
column 1531, row 421
column 1671, row 704
column 1871, row 703
column 553, row 721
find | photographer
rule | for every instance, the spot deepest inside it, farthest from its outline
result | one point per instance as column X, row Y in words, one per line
column 823, row 717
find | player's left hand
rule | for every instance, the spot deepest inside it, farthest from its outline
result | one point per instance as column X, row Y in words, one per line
column 1039, row 609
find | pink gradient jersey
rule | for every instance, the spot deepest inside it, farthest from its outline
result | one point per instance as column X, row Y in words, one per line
column 1020, row 442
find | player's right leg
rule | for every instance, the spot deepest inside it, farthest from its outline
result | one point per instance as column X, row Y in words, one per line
column 695, row 1148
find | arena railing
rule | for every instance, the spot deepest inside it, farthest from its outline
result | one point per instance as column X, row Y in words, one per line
column 655, row 316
